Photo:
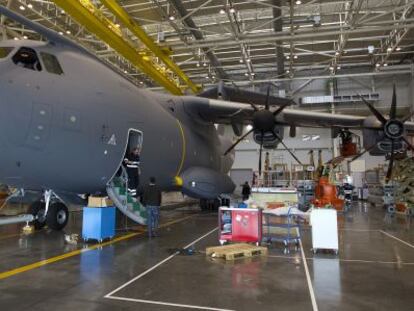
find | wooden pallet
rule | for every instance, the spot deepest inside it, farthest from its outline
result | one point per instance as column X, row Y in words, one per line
column 236, row 251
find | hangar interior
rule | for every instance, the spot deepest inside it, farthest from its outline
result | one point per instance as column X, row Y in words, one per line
column 326, row 222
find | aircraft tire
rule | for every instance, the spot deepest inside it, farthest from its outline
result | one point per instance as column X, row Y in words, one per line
column 37, row 208
column 57, row 217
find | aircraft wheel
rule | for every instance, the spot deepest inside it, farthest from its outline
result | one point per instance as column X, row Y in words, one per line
column 37, row 209
column 57, row 217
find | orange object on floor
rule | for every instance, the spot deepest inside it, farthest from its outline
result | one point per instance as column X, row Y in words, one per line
column 325, row 194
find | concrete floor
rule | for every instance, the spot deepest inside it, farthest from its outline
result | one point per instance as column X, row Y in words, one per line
column 374, row 270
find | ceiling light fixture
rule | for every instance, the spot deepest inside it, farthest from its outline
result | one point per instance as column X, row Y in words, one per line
column 222, row 11
column 398, row 48
column 377, row 64
column 295, row 57
column 298, row 2
column 30, row 5
column 246, row 74
column 25, row 37
column 61, row 33
column 68, row 32
column 232, row 10
column 171, row 17
column 389, row 49
column 287, row 57
column 15, row 38
column 385, row 65
column 22, row 8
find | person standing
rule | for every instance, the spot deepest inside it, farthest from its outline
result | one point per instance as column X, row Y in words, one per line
column 151, row 198
column 246, row 191
column 132, row 165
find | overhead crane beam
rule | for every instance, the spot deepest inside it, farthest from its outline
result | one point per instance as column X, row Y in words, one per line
column 137, row 30
column 85, row 13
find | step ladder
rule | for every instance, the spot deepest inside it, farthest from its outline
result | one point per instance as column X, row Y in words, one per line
column 127, row 204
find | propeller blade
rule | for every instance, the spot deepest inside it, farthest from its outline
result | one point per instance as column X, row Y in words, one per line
column 254, row 107
column 279, row 110
column 260, row 155
column 267, row 98
column 375, row 112
column 365, row 151
column 393, row 109
column 286, row 147
column 406, row 118
column 408, row 143
column 391, row 163
column 238, row 141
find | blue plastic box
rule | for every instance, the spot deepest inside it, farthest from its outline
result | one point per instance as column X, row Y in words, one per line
column 98, row 223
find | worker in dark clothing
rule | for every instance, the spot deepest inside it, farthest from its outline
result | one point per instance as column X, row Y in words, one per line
column 151, row 198
column 246, row 191
column 132, row 165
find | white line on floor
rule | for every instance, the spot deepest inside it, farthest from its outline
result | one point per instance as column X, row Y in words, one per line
column 157, row 265
column 394, row 237
column 167, row 303
column 308, row 279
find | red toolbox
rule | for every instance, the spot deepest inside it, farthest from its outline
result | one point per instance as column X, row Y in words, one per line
column 240, row 225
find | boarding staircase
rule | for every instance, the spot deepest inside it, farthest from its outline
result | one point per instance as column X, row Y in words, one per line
column 127, row 204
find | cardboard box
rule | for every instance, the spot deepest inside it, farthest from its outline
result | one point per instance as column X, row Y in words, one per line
column 99, row 202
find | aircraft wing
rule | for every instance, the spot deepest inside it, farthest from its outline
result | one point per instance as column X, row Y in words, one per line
column 227, row 112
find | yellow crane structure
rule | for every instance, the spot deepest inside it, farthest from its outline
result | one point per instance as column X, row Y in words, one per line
column 93, row 19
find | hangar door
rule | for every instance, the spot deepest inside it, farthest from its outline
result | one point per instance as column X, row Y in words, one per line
column 240, row 176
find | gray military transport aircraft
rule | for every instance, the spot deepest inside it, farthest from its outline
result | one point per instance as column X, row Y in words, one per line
column 68, row 120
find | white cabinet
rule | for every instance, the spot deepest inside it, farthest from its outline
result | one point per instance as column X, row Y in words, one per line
column 324, row 229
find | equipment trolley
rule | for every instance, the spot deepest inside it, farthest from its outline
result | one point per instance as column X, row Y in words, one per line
column 281, row 227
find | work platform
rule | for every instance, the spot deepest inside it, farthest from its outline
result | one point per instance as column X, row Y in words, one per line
column 373, row 271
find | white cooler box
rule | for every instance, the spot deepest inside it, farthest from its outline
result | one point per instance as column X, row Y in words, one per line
column 324, row 229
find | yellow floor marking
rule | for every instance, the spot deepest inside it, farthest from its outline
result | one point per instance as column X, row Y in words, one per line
column 41, row 263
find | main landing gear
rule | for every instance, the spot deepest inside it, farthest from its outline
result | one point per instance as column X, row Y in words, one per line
column 50, row 211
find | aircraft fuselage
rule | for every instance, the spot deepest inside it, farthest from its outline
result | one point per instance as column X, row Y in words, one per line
column 69, row 132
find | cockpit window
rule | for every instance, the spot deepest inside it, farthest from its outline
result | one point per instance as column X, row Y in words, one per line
column 27, row 58
column 51, row 63
column 4, row 52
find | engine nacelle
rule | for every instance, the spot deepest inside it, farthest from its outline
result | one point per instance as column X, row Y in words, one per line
column 370, row 136
column 269, row 140
column 204, row 183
